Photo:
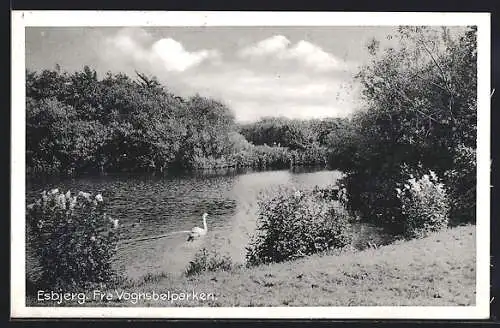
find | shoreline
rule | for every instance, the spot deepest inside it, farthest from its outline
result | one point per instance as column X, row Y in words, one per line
column 421, row 272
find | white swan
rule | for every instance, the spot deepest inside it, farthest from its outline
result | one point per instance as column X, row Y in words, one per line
column 114, row 222
column 197, row 231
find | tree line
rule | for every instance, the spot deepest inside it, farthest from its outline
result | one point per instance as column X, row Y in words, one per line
column 409, row 156
column 79, row 123
column 419, row 114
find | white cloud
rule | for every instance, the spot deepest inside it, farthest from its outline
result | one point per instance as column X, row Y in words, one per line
column 315, row 57
column 251, row 110
column 264, row 79
column 167, row 52
column 128, row 46
column 176, row 58
column 252, row 95
column 304, row 52
column 273, row 45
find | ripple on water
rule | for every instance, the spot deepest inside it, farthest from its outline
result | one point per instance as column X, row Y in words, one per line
column 165, row 204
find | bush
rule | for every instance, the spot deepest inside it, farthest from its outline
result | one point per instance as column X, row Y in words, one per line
column 311, row 155
column 372, row 197
column 261, row 157
column 293, row 224
column 411, row 120
column 424, row 205
column 208, row 162
column 238, row 142
column 461, row 182
column 208, row 261
column 73, row 239
column 272, row 157
column 332, row 193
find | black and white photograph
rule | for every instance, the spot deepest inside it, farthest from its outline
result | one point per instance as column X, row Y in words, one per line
column 225, row 164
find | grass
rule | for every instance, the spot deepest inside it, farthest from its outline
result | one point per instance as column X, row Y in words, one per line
column 437, row 270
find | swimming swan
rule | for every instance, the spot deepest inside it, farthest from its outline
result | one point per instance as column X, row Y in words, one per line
column 197, row 231
column 114, row 222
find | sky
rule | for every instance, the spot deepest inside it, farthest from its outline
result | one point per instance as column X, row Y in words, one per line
column 296, row 72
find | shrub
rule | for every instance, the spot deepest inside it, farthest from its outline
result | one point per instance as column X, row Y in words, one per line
column 411, row 120
column 293, row 224
column 238, row 142
column 372, row 197
column 370, row 194
column 461, row 183
column 272, row 157
column 208, row 261
column 208, row 162
column 332, row 193
column 311, row 155
column 73, row 239
column 246, row 154
column 424, row 205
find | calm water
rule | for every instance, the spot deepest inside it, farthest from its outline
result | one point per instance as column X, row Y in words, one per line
column 151, row 205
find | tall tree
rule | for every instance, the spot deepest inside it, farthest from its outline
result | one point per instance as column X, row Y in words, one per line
column 420, row 107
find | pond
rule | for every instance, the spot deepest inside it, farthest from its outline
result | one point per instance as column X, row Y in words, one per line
column 152, row 205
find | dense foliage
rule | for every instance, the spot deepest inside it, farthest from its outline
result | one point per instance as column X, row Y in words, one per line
column 293, row 224
column 73, row 239
column 420, row 115
column 79, row 123
column 461, row 182
column 424, row 205
column 211, row 261
column 291, row 133
column 308, row 141
column 420, row 109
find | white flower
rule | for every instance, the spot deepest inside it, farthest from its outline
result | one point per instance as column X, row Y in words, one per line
column 98, row 197
column 61, row 201
column 297, row 193
column 68, row 195
column 92, row 238
column 114, row 222
column 84, row 194
column 73, row 203
column 433, row 175
column 54, row 191
column 398, row 190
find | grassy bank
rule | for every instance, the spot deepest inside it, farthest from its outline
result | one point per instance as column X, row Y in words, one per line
column 437, row 270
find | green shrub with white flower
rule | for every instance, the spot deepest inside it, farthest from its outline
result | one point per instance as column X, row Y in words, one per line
column 73, row 238
column 424, row 205
column 292, row 224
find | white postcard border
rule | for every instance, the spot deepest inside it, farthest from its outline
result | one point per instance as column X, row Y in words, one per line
column 22, row 19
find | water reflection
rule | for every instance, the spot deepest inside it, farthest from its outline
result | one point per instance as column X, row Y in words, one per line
column 170, row 203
